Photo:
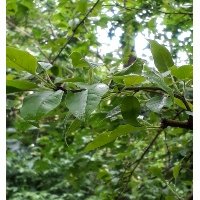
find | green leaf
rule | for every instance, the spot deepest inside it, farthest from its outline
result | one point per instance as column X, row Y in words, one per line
column 157, row 79
column 135, row 68
column 19, row 85
column 20, row 60
column 109, row 136
column 76, row 103
column 11, row 8
column 39, row 104
column 161, row 56
column 41, row 165
column 184, row 72
column 83, row 103
column 133, row 79
column 74, row 126
column 118, row 79
column 130, row 109
column 176, row 170
column 155, row 104
column 82, row 6
column 91, row 76
column 78, row 61
column 170, row 198
column 156, row 171
column 179, row 103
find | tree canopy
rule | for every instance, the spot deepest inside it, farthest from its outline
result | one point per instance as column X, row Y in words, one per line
column 85, row 124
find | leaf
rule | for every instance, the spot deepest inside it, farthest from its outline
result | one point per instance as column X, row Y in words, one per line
column 157, row 79
column 179, row 103
column 82, row 6
column 118, row 79
column 155, row 104
column 78, row 61
column 133, row 79
column 135, row 68
column 74, row 126
column 83, row 103
column 91, row 75
column 11, row 8
column 130, row 109
column 109, row 136
column 184, row 72
column 176, row 170
column 76, row 103
column 41, row 165
column 156, row 171
column 20, row 60
column 19, row 85
column 161, row 56
column 39, row 104
column 170, row 198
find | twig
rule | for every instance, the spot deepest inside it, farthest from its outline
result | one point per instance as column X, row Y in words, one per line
column 51, row 28
column 177, row 13
column 138, row 161
column 138, row 9
column 74, row 32
column 159, row 91
column 167, row 149
column 173, row 123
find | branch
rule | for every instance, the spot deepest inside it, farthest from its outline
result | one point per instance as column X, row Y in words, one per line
column 120, row 6
column 158, row 91
column 179, row 13
column 182, row 98
column 173, row 123
column 65, row 90
column 74, row 32
column 137, row 162
column 138, row 9
column 147, row 150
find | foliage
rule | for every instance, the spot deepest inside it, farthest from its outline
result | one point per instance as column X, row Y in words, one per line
column 86, row 125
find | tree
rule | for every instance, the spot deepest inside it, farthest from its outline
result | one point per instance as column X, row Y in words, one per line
column 84, row 125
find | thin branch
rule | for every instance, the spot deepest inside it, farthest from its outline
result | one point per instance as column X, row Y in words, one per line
column 139, row 9
column 182, row 98
column 168, row 153
column 138, row 161
column 177, row 13
column 158, row 91
column 51, row 29
column 74, row 32
column 120, row 6
column 66, row 91
column 146, row 150
column 173, row 123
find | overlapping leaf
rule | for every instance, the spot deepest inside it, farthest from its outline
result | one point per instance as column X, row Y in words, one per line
column 135, row 68
column 184, row 72
column 158, row 80
column 155, row 104
column 78, row 60
column 130, row 109
column 83, row 103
